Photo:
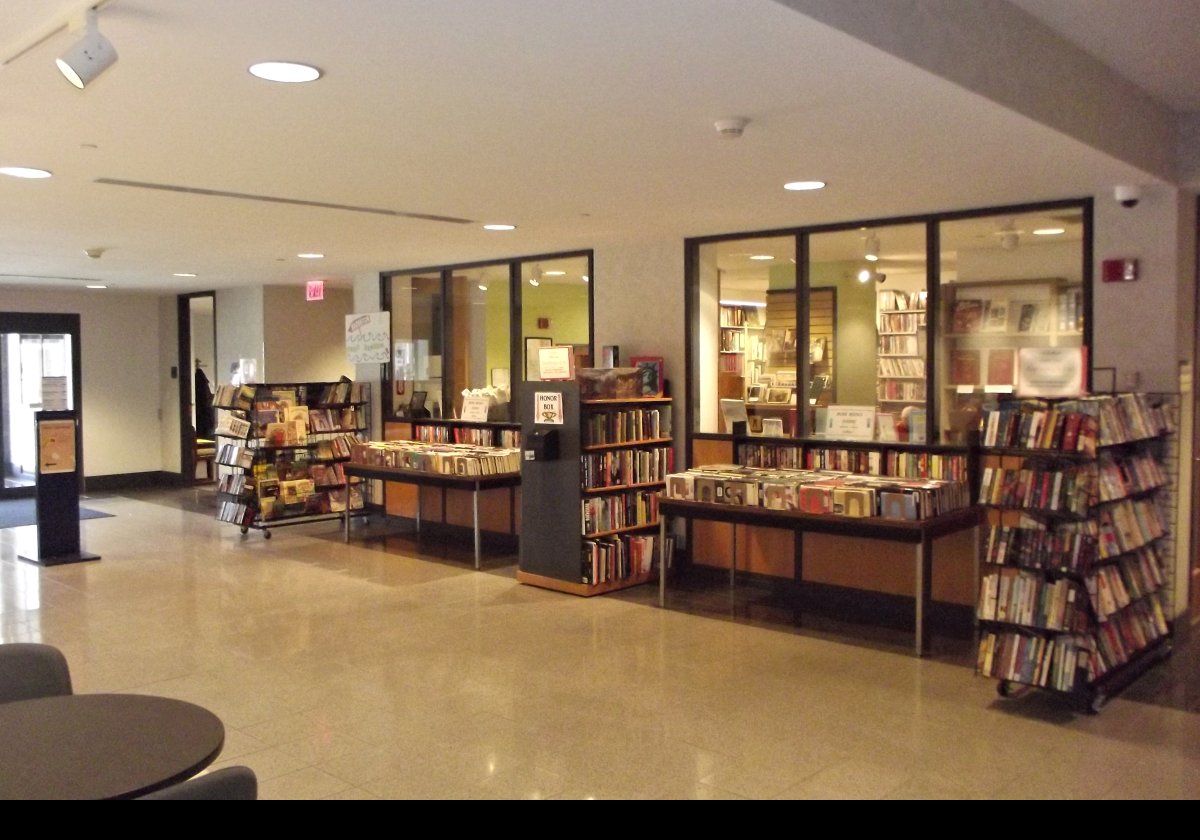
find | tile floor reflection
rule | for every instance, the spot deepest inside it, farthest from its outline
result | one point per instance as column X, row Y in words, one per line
column 370, row 671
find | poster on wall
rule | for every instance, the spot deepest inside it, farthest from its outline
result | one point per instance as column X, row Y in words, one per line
column 1051, row 371
column 369, row 338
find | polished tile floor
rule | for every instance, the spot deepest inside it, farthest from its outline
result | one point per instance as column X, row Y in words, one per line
column 370, row 671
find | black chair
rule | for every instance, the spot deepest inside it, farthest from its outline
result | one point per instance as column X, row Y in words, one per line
column 28, row 671
column 227, row 783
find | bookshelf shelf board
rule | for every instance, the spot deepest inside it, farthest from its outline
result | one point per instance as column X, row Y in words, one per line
column 903, row 332
column 591, row 535
column 900, row 356
column 616, row 401
column 594, row 447
column 889, row 376
column 615, row 488
column 1032, row 628
column 1047, row 512
column 1045, row 454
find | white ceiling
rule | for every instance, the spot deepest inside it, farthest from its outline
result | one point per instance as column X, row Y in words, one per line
column 580, row 122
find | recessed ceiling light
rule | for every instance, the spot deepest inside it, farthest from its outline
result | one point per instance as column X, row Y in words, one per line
column 586, row 279
column 498, row 226
column 483, row 287
column 183, row 274
column 762, row 257
column 1049, row 231
column 96, row 286
column 800, row 186
column 24, row 172
column 285, row 71
column 311, row 256
column 554, row 274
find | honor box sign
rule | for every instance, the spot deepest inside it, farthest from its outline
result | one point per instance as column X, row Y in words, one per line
column 369, row 338
column 850, row 422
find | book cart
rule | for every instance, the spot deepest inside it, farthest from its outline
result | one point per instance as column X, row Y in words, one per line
column 1073, row 583
column 595, row 501
column 282, row 449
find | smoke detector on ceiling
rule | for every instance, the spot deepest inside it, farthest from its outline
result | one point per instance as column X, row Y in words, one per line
column 731, row 127
column 94, row 253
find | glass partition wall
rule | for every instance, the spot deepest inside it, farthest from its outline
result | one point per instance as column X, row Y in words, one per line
column 917, row 321
column 467, row 328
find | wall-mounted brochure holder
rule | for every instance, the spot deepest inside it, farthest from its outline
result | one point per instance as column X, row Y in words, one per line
column 58, row 481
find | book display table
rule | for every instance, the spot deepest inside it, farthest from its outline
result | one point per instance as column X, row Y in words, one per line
column 421, row 478
column 920, row 533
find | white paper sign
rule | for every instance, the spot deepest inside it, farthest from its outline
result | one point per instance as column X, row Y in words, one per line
column 555, row 363
column 1050, row 371
column 850, row 422
column 548, row 408
column 54, row 393
column 369, row 338
column 475, row 409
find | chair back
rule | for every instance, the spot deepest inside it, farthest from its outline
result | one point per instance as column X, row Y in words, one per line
column 28, row 671
column 235, row 782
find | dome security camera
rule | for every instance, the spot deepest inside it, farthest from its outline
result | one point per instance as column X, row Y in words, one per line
column 1128, row 197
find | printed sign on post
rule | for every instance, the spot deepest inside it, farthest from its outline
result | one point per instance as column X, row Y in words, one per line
column 369, row 338
column 548, row 408
column 475, row 409
column 56, row 446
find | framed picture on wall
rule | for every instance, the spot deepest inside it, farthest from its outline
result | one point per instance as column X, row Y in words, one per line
column 532, row 345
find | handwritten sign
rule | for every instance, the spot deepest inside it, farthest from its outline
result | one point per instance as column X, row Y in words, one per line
column 548, row 408
column 368, row 338
column 850, row 422
column 475, row 409
column 556, row 362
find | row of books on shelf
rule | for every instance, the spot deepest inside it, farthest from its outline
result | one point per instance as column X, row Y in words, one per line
column 1128, row 525
column 732, row 341
column 620, row 558
column 235, row 455
column 902, row 366
column 891, row 300
column 1055, row 490
column 1019, row 596
column 899, row 345
column 443, row 458
column 1128, row 417
column 1038, row 660
column 350, row 417
column 900, row 390
column 1061, row 428
column 234, row 396
column 295, row 501
column 1134, row 576
column 1122, row 635
column 321, row 474
column 627, row 425
column 630, row 509
column 237, row 512
column 899, row 322
column 1126, row 475
column 887, row 462
column 626, row 466
column 345, row 391
column 741, row 316
column 1060, row 549
column 968, row 366
column 819, row 492
column 506, row 438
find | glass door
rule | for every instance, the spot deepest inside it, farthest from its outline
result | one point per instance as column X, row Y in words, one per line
column 36, row 373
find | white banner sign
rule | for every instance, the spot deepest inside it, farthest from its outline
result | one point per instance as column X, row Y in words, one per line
column 850, row 422
column 369, row 338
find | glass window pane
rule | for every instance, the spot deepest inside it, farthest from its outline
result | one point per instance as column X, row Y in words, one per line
column 1007, row 282
column 747, row 299
column 479, row 331
column 417, row 345
column 554, row 309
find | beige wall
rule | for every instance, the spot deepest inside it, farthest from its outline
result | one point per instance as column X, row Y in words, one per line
column 305, row 341
column 120, row 341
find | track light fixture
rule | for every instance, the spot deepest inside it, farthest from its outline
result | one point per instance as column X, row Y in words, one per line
column 90, row 56
column 871, row 248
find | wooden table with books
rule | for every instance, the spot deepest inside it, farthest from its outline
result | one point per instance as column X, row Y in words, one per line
column 919, row 532
column 457, row 466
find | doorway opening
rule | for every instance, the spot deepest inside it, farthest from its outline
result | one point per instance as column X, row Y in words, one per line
column 197, row 376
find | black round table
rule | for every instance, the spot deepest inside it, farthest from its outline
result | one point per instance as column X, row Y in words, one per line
column 102, row 746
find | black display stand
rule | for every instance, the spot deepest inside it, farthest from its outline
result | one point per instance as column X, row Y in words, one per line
column 58, row 490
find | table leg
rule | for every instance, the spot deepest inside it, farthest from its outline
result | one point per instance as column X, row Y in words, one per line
column 418, row 511
column 733, row 558
column 923, row 574
column 475, row 512
column 346, row 517
column 662, row 559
